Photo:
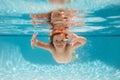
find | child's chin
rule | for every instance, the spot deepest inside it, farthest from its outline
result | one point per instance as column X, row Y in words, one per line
column 60, row 46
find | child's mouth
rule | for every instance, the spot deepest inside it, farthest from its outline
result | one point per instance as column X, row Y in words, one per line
column 59, row 45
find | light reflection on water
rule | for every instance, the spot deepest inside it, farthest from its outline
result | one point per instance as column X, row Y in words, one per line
column 16, row 20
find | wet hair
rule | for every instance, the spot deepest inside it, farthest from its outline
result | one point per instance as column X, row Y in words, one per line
column 58, row 32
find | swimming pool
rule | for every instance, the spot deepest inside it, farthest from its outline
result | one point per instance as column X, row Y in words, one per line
column 99, row 59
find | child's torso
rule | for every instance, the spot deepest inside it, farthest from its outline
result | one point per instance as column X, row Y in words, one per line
column 63, row 57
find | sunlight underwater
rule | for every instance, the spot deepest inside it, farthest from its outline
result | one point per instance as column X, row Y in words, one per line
column 14, row 67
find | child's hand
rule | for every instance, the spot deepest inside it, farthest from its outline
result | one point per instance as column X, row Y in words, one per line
column 33, row 40
column 74, row 38
column 65, row 40
column 73, row 41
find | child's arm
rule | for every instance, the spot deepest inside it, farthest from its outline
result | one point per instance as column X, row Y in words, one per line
column 77, row 41
column 35, row 42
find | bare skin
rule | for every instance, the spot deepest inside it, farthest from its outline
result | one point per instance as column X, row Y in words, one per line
column 61, row 50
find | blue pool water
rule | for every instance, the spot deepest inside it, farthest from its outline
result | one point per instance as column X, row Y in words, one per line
column 99, row 58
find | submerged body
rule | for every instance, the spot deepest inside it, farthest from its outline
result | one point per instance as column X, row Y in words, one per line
column 62, row 56
column 59, row 20
column 59, row 48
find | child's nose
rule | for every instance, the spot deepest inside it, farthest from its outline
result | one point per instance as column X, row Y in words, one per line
column 59, row 42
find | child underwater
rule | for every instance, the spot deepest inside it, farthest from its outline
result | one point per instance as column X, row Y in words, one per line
column 63, row 44
column 59, row 47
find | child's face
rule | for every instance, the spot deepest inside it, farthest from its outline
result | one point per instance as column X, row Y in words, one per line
column 59, row 41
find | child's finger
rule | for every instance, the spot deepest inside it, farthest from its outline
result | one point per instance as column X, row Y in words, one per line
column 72, row 41
column 70, row 36
column 32, row 45
column 33, row 39
column 65, row 39
column 72, row 44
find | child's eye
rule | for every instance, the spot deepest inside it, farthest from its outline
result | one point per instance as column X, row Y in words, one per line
column 57, row 14
column 56, row 40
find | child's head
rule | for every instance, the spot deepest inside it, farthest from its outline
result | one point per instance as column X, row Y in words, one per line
column 59, row 38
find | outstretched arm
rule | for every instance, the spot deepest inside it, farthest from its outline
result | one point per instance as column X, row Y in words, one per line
column 35, row 42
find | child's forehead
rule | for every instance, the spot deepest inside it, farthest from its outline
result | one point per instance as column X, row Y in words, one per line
column 59, row 36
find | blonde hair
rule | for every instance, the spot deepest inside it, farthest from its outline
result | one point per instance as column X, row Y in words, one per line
column 58, row 32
